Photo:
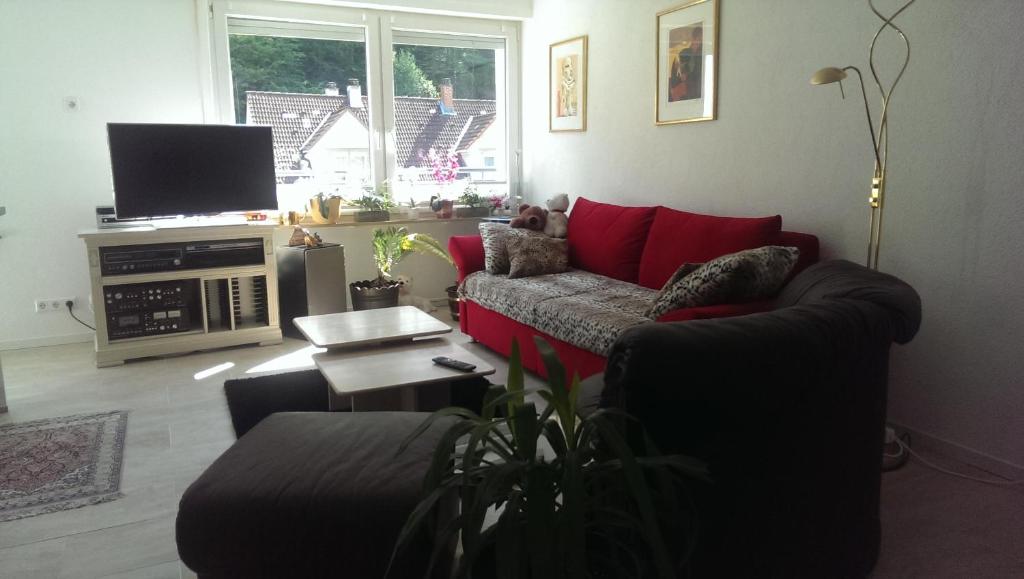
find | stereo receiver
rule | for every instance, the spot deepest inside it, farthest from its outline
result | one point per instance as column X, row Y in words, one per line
column 149, row 309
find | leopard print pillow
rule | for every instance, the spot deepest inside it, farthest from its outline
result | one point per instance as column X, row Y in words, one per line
column 683, row 271
column 533, row 255
column 495, row 237
column 735, row 278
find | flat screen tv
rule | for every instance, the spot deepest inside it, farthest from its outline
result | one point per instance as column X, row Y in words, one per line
column 167, row 170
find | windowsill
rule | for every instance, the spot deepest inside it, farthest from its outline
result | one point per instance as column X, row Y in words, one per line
column 309, row 224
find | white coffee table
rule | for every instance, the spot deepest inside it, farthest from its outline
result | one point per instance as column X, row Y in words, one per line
column 393, row 376
column 347, row 329
column 382, row 359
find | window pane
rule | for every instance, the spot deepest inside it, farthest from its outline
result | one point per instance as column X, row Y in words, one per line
column 449, row 120
column 311, row 91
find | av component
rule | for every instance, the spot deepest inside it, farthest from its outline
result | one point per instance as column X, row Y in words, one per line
column 118, row 260
column 149, row 309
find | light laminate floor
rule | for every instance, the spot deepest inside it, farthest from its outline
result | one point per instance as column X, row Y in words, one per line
column 935, row 526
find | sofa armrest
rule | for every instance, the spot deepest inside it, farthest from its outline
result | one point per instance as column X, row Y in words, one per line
column 716, row 311
column 693, row 381
column 467, row 252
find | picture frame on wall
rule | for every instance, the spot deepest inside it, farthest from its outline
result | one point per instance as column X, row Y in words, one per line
column 567, row 74
column 686, row 53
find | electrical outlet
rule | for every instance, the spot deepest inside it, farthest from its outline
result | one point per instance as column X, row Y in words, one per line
column 52, row 304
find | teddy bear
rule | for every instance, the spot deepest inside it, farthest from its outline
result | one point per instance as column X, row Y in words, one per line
column 532, row 217
column 558, row 223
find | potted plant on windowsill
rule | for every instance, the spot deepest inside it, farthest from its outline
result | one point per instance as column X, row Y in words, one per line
column 374, row 205
column 555, row 495
column 442, row 208
column 324, row 209
column 473, row 204
column 390, row 246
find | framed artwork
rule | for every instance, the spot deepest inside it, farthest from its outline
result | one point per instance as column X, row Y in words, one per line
column 567, row 74
column 686, row 49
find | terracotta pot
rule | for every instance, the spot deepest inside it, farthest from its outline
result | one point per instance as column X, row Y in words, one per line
column 445, row 212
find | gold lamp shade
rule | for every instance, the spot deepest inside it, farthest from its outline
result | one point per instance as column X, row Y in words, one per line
column 828, row 75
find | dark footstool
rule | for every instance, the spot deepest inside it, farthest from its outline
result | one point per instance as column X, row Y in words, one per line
column 311, row 494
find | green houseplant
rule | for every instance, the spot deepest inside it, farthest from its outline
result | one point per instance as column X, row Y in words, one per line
column 391, row 245
column 472, row 203
column 374, row 205
column 584, row 507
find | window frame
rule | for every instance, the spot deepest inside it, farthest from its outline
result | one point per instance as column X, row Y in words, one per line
column 380, row 29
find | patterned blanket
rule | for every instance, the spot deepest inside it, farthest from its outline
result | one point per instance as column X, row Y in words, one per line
column 585, row 309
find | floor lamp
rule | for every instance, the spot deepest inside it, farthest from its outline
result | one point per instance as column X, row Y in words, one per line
column 879, row 138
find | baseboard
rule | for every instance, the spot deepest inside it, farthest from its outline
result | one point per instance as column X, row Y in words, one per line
column 46, row 341
column 932, row 444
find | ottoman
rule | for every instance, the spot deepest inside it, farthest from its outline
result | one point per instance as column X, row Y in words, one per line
column 313, row 494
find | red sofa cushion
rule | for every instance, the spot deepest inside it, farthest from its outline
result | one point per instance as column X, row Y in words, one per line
column 717, row 311
column 608, row 239
column 806, row 243
column 678, row 237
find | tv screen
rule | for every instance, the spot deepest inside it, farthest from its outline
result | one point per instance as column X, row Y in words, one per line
column 166, row 170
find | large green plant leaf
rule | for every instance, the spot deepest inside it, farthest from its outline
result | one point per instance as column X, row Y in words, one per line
column 391, row 244
column 509, row 545
column 641, row 494
column 559, row 394
column 427, row 245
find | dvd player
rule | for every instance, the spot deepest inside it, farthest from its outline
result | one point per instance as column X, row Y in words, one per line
column 175, row 256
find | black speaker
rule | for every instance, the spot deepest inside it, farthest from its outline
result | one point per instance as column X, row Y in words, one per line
column 310, row 282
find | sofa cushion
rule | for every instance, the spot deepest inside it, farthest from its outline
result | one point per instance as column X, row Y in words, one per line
column 744, row 276
column 495, row 237
column 677, row 237
column 683, row 271
column 582, row 308
column 608, row 239
column 530, row 256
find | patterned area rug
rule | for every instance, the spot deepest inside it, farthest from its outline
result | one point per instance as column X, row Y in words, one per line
column 60, row 463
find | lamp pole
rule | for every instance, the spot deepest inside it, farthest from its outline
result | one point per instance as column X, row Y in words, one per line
column 879, row 139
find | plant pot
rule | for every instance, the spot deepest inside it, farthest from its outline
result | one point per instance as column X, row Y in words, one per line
column 333, row 209
column 453, row 301
column 445, row 212
column 368, row 216
column 366, row 295
column 472, row 211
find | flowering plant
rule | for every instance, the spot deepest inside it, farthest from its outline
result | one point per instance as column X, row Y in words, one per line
column 445, row 166
column 498, row 201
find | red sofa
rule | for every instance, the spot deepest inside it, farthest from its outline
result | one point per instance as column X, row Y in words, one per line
column 639, row 245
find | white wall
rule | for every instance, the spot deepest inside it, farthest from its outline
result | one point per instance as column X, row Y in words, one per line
column 953, row 221
column 124, row 61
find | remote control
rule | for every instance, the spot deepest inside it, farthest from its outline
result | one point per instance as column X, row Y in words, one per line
column 455, row 364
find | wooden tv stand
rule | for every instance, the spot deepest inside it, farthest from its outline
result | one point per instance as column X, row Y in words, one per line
column 152, row 306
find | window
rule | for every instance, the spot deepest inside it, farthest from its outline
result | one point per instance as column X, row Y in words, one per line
column 306, row 82
column 360, row 97
column 446, row 104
